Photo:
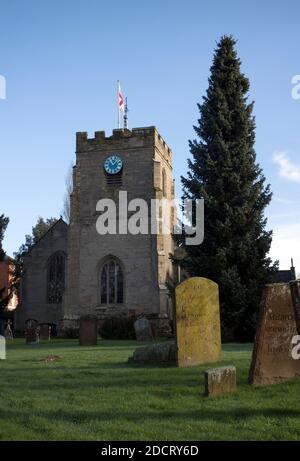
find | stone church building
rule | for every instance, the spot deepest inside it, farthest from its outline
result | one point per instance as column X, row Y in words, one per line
column 73, row 270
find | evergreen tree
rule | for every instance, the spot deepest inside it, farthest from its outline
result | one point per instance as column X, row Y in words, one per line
column 3, row 225
column 38, row 231
column 223, row 171
column 41, row 227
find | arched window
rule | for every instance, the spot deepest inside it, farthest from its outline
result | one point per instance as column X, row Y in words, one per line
column 55, row 278
column 164, row 183
column 111, row 283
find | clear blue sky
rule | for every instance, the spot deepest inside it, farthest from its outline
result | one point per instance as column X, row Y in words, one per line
column 61, row 60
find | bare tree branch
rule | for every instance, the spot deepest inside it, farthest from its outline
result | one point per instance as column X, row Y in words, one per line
column 69, row 189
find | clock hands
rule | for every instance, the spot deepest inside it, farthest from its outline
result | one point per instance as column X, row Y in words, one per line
column 113, row 164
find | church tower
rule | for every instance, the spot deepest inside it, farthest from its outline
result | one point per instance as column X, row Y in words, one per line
column 118, row 274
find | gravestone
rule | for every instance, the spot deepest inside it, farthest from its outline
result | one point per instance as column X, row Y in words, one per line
column 45, row 332
column 2, row 348
column 88, row 331
column 295, row 291
column 197, row 322
column 143, row 330
column 32, row 332
column 32, row 335
column 159, row 353
column 8, row 331
column 272, row 360
column 219, row 381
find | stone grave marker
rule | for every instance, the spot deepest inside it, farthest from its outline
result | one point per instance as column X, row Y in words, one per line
column 219, row 381
column 197, row 322
column 8, row 331
column 88, row 331
column 32, row 332
column 295, row 291
column 157, row 353
column 143, row 330
column 2, row 348
column 45, row 332
column 272, row 360
column 32, row 335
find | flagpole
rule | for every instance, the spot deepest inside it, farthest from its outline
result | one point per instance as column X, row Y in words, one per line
column 118, row 104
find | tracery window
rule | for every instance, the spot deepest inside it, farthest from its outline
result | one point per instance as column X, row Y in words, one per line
column 56, row 278
column 111, row 283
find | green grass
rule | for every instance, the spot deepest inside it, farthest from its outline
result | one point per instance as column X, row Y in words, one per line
column 93, row 394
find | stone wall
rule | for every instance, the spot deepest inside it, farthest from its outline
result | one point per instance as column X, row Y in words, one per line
column 33, row 296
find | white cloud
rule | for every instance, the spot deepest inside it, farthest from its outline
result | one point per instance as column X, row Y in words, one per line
column 287, row 169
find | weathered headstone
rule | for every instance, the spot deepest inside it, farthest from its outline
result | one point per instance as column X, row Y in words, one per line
column 45, row 332
column 88, row 331
column 272, row 360
column 295, row 291
column 143, row 330
column 8, row 332
column 2, row 348
column 197, row 322
column 32, row 335
column 32, row 332
column 219, row 381
column 159, row 353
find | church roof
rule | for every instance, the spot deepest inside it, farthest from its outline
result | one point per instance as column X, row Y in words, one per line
column 59, row 221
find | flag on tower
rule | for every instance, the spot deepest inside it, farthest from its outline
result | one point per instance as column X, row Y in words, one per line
column 120, row 98
column 120, row 103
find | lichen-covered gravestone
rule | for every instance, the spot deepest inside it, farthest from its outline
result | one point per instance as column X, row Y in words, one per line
column 272, row 360
column 143, row 330
column 88, row 331
column 220, row 381
column 197, row 322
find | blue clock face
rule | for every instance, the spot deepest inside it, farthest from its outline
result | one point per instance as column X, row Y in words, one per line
column 113, row 164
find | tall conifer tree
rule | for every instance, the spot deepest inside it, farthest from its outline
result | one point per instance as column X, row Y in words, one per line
column 223, row 170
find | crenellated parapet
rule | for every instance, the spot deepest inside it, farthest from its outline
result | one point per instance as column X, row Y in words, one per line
column 146, row 136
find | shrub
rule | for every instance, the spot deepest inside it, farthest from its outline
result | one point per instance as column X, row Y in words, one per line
column 118, row 328
column 70, row 333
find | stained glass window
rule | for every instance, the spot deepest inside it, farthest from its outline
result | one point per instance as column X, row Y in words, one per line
column 111, row 283
column 56, row 278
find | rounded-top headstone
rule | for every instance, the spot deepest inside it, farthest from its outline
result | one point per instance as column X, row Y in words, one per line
column 143, row 330
column 197, row 321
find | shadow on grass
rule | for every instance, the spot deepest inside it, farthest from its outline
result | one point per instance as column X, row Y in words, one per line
column 204, row 414
column 20, row 344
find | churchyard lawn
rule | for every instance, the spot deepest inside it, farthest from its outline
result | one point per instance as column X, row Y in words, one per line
column 91, row 393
